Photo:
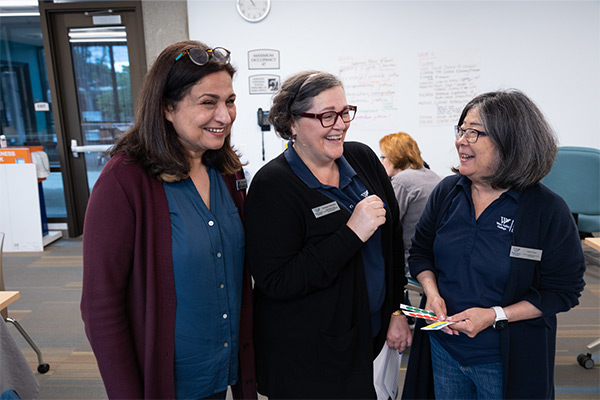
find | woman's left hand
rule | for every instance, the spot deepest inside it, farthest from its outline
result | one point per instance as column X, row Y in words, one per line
column 399, row 336
column 472, row 320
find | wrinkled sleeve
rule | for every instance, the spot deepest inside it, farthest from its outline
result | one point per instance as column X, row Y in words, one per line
column 400, row 279
column 109, row 233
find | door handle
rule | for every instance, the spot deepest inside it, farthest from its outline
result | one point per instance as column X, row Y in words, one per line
column 98, row 148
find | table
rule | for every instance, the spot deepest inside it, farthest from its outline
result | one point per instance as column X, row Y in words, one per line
column 7, row 298
column 593, row 242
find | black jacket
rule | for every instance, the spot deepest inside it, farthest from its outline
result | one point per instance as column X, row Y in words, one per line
column 312, row 323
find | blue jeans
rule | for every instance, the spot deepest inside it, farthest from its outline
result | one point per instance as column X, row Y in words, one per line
column 454, row 381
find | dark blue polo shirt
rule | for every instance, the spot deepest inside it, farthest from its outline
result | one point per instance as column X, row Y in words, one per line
column 350, row 192
column 473, row 263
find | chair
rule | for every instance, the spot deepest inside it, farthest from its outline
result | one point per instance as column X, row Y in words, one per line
column 414, row 285
column 575, row 176
column 42, row 366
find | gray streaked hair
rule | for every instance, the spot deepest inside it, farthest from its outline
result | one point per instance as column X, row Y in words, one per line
column 525, row 143
column 296, row 96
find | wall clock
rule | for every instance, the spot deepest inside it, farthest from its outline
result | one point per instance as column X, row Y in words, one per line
column 253, row 10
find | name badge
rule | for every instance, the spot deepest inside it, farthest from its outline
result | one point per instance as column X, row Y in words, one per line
column 525, row 253
column 326, row 209
column 241, row 184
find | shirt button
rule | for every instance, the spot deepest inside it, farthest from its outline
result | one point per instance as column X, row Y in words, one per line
column 224, row 316
column 218, row 254
column 225, row 344
column 211, row 223
column 351, row 206
column 221, row 286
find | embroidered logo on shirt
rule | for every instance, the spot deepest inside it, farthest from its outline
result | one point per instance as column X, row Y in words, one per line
column 365, row 194
column 505, row 224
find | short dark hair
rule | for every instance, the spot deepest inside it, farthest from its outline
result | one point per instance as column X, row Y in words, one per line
column 525, row 143
column 296, row 96
column 152, row 141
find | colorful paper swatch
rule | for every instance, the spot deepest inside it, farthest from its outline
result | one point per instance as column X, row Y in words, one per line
column 437, row 325
column 424, row 314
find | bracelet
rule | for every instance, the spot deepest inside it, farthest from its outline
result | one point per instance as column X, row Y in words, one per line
column 397, row 313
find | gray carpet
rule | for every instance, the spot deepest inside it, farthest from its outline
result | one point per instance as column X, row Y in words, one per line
column 50, row 286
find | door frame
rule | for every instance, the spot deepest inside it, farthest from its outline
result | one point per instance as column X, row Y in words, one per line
column 63, row 93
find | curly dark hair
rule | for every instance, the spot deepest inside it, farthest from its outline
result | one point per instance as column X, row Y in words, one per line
column 152, row 141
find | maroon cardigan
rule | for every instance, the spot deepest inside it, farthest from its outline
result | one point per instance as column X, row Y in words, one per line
column 128, row 299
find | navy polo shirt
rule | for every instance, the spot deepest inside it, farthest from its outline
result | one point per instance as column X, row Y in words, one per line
column 351, row 191
column 473, row 264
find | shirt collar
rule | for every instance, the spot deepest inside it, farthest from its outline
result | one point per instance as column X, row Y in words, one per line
column 303, row 172
column 465, row 183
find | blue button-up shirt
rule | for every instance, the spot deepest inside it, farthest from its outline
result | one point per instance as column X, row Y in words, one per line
column 208, row 257
column 473, row 264
column 351, row 191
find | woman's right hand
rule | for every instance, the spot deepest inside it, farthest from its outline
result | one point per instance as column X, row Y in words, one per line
column 437, row 305
column 368, row 215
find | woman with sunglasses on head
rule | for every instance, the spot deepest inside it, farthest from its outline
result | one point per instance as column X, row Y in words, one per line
column 163, row 246
column 324, row 245
column 498, row 255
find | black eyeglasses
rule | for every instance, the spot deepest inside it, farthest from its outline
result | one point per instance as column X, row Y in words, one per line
column 200, row 56
column 329, row 118
column 470, row 134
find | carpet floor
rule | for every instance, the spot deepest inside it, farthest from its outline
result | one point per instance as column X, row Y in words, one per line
column 50, row 286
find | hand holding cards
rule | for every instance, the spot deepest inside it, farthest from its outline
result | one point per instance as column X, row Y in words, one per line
column 424, row 314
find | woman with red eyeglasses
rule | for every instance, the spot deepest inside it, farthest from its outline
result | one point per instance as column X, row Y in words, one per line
column 166, row 298
column 324, row 245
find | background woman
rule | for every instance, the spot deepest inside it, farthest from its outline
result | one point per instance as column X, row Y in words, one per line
column 411, row 180
column 500, row 255
column 163, row 240
column 324, row 247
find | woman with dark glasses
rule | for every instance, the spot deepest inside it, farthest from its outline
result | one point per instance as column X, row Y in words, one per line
column 324, row 245
column 164, row 274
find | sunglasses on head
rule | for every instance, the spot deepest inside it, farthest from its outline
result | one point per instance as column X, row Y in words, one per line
column 200, row 56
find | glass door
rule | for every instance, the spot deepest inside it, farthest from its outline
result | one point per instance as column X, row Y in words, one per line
column 103, row 88
column 25, row 105
column 97, row 66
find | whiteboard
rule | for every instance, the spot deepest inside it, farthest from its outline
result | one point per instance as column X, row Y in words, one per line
column 548, row 49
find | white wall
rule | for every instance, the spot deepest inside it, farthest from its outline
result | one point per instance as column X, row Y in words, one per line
column 165, row 22
column 548, row 49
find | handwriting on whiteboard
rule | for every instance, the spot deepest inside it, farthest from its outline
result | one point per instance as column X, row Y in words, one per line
column 372, row 85
column 447, row 82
